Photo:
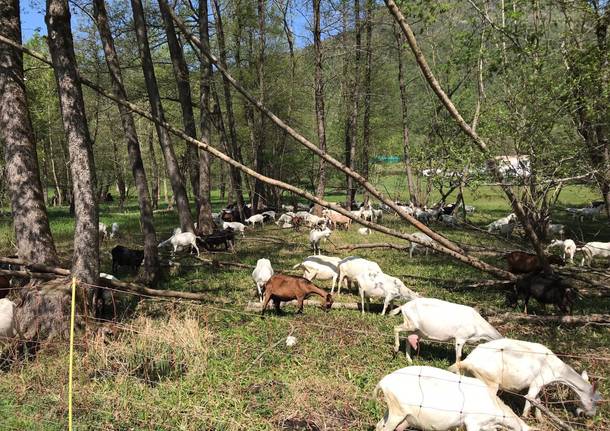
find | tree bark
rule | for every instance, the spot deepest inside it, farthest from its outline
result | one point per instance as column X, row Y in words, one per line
column 366, row 119
column 171, row 163
column 155, row 171
column 181, row 73
column 319, row 101
column 30, row 220
column 85, row 263
column 150, row 265
column 260, row 69
column 205, row 224
column 118, row 174
column 232, row 135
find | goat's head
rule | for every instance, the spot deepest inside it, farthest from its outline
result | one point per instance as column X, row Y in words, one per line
column 328, row 303
column 589, row 399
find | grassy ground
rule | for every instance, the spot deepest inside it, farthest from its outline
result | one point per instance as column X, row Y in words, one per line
column 213, row 366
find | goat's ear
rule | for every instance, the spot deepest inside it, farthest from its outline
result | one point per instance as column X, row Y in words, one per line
column 585, row 376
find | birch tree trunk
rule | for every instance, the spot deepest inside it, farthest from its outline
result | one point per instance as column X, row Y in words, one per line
column 32, row 232
column 171, row 163
column 150, row 265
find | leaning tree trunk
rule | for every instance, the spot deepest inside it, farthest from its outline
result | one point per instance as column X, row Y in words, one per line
column 319, row 99
column 118, row 174
column 150, row 265
column 32, row 232
column 171, row 163
column 85, row 264
column 205, row 222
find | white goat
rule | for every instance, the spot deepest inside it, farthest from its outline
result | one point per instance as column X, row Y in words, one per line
column 516, row 365
column 103, row 230
column 287, row 207
column 256, row 218
column 114, row 230
column 284, row 218
column 364, row 231
column 380, row 285
column 315, row 236
column 507, row 229
column 177, row 231
column 261, row 275
column 433, row 319
column 449, row 220
column 181, row 240
column 320, row 268
column 497, row 225
column 469, row 209
column 429, row 398
column 569, row 248
column 350, row 267
column 377, row 215
column 270, row 214
column 366, row 214
column 592, row 249
column 581, row 213
column 556, row 230
column 235, row 225
column 313, row 220
column 8, row 322
column 424, row 238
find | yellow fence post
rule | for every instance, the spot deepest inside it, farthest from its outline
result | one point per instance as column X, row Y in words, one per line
column 72, row 312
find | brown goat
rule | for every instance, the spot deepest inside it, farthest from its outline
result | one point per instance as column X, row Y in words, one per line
column 282, row 287
column 5, row 286
column 520, row 262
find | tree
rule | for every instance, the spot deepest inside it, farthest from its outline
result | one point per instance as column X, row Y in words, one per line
column 150, row 265
column 85, row 263
column 366, row 118
column 173, row 169
column 319, row 100
column 32, row 232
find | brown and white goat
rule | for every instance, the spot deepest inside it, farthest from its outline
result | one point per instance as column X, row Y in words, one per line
column 282, row 287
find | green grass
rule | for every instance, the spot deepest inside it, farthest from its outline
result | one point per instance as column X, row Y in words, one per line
column 179, row 365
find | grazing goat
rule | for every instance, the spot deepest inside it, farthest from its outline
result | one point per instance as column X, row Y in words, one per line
column 256, row 218
column 504, row 221
column 103, row 230
column 123, row 256
column 520, row 262
column 314, row 221
column 261, row 275
column 336, row 219
column 592, row 249
column 282, row 287
column 422, row 237
column 569, row 248
column 114, row 230
column 433, row 319
column 351, row 267
column 181, row 240
column 430, row 398
column 8, row 321
column 546, row 289
column 364, row 231
column 284, row 218
column 515, row 365
column 214, row 240
column 176, row 231
column 269, row 215
column 380, row 285
column 320, row 268
column 235, row 225
column 449, row 220
column 377, row 215
column 315, row 236
column 555, row 230
column 589, row 212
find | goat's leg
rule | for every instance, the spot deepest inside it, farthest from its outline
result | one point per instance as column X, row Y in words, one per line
column 300, row 304
column 459, row 345
column 266, row 301
column 276, row 303
column 532, row 393
column 362, row 299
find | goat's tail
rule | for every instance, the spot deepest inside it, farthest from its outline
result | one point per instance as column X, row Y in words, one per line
column 161, row 244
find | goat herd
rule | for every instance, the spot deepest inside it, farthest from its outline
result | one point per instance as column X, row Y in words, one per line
column 424, row 397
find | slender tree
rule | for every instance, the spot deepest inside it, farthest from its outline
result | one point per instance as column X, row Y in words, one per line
column 171, row 163
column 366, row 117
column 260, row 71
column 156, row 181
column 319, row 101
column 150, row 265
column 32, row 232
column 85, row 264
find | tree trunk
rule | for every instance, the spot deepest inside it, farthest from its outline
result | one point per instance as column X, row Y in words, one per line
column 85, row 263
column 155, row 171
column 260, row 69
column 353, row 89
column 150, row 265
column 319, row 100
column 118, row 174
column 232, row 136
column 205, row 223
column 32, row 232
column 181, row 73
column 171, row 163
column 366, row 119
column 404, row 107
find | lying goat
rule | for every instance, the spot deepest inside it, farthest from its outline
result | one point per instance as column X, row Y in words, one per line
column 546, row 289
column 282, row 287
column 123, row 256
column 520, row 262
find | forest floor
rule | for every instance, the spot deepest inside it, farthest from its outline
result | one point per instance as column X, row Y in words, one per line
column 170, row 365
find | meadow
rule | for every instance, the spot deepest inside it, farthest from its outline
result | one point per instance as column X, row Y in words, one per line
column 181, row 365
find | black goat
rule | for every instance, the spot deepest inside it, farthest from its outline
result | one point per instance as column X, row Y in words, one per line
column 224, row 237
column 123, row 256
column 546, row 289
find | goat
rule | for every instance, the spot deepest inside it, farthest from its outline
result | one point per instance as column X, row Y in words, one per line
column 546, row 289
column 569, row 248
column 350, row 267
column 438, row 320
column 496, row 225
column 592, row 249
column 182, row 240
column 430, row 398
column 469, row 209
column 516, row 365
column 315, row 236
column 103, row 230
column 449, row 220
column 555, row 230
column 114, row 230
column 282, row 287
column 336, row 219
column 314, row 221
column 261, row 275
column 422, row 237
column 377, row 215
column 123, row 256
column 235, row 225
column 176, row 231
column 364, row 231
column 520, row 262
column 224, row 237
column 284, row 218
column 320, row 268
column 269, row 215
column 8, row 321
column 581, row 213
column 380, row 285
column 256, row 218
